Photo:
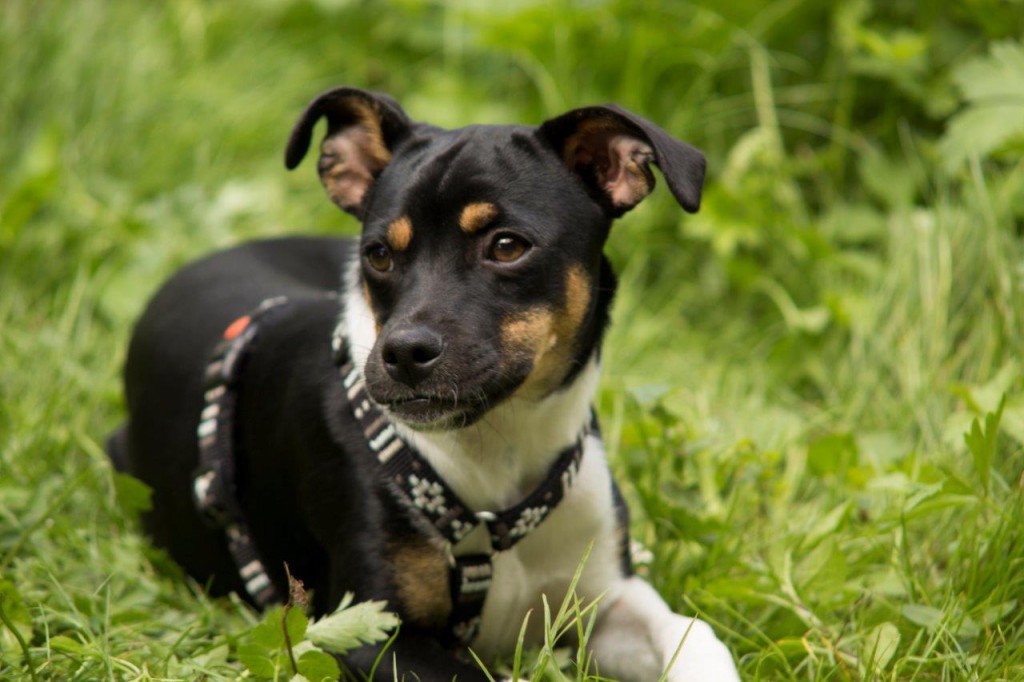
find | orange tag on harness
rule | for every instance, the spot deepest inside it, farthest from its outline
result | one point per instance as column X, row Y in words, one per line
column 236, row 327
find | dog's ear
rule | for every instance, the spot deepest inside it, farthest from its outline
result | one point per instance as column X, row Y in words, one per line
column 612, row 149
column 362, row 129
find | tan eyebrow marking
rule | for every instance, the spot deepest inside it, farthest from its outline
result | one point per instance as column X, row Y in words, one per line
column 475, row 216
column 400, row 233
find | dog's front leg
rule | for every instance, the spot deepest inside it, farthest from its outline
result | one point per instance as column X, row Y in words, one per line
column 637, row 636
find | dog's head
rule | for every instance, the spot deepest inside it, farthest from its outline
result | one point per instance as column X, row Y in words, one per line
column 481, row 252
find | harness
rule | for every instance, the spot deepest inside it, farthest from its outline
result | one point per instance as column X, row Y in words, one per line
column 409, row 478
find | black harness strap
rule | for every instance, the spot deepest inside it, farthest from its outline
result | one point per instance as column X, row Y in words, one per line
column 409, row 476
column 213, row 485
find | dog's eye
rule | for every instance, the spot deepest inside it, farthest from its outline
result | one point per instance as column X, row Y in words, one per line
column 507, row 248
column 379, row 258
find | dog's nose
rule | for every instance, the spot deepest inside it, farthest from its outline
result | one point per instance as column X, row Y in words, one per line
column 410, row 353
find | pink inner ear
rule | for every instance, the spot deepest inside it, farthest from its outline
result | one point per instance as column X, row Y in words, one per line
column 620, row 163
column 627, row 178
column 349, row 162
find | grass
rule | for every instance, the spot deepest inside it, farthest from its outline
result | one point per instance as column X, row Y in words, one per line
column 791, row 372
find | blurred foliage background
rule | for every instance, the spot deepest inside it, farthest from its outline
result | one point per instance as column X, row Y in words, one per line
column 791, row 372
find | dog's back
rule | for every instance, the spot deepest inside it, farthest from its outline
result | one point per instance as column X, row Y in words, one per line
column 183, row 323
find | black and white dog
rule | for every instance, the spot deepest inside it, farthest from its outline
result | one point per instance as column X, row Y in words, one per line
column 408, row 417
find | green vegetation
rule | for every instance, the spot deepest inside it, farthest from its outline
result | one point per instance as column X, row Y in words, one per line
column 814, row 389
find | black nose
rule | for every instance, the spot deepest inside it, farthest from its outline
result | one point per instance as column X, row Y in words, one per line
column 410, row 353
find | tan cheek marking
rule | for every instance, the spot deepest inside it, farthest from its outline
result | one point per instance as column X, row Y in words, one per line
column 549, row 337
column 421, row 577
column 526, row 334
column 400, row 234
column 476, row 216
column 577, row 296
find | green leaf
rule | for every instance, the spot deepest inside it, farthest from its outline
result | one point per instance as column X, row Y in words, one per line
column 982, row 442
column 968, row 628
column 352, row 626
column 295, row 622
column 932, row 498
column 827, row 524
column 994, row 88
column 980, row 130
column 880, row 645
column 994, row 614
column 132, row 494
column 218, row 655
column 268, row 633
column 66, row 645
column 258, row 660
column 998, row 76
column 927, row 617
column 822, row 571
column 318, row 666
column 263, row 650
column 16, row 613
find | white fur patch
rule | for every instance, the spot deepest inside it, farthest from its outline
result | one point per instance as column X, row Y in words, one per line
column 637, row 637
column 357, row 324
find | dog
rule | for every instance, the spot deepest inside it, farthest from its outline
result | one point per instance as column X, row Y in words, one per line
column 363, row 410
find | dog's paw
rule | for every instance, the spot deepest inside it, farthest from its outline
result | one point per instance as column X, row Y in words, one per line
column 703, row 658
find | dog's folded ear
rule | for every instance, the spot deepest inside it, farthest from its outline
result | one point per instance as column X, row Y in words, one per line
column 362, row 129
column 611, row 149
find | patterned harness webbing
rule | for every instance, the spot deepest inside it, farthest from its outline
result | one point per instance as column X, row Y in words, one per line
column 213, row 485
column 413, row 480
column 409, row 476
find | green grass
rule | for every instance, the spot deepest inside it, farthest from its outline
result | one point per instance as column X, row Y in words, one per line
column 791, row 372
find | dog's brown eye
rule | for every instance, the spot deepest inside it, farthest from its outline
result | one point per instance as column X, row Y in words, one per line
column 507, row 248
column 379, row 258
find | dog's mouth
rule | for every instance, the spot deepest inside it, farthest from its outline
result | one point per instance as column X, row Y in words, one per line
column 434, row 413
column 453, row 398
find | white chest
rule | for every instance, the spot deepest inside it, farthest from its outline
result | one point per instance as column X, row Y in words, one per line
column 543, row 564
